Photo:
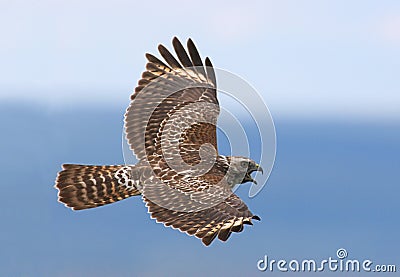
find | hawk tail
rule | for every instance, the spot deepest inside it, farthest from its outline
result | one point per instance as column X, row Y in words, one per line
column 89, row 186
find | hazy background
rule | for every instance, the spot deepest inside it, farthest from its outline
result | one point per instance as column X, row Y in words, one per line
column 328, row 70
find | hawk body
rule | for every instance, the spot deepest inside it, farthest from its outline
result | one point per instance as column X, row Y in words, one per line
column 170, row 126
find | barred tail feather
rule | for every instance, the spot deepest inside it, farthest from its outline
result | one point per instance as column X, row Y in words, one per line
column 89, row 186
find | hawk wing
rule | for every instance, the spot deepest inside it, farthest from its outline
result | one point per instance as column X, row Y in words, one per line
column 171, row 120
column 171, row 125
column 220, row 220
column 171, row 95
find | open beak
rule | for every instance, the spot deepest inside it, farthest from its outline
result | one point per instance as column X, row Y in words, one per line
column 248, row 178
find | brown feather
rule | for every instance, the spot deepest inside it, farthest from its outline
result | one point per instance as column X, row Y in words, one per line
column 87, row 186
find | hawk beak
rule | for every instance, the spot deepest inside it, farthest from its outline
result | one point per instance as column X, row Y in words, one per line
column 250, row 179
column 259, row 168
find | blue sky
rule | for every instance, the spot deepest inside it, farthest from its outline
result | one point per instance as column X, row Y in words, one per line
column 334, row 185
column 328, row 71
column 333, row 58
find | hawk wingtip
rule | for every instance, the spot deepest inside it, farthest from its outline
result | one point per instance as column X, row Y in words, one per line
column 161, row 47
column 175, row 40
column 256, row 217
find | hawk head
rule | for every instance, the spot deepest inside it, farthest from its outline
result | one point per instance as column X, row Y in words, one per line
column 240, row 169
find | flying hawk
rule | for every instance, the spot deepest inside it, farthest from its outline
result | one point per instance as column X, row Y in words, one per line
column 170, row 125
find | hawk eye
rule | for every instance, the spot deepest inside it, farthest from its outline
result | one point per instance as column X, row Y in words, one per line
column 243, row 164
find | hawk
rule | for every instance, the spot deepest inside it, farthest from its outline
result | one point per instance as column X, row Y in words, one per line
column 170, row 126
